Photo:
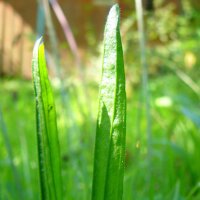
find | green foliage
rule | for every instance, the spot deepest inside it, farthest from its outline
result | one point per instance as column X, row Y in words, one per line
column 47, row 135
column 173, row 63
column 111, row 123
column 3, row 131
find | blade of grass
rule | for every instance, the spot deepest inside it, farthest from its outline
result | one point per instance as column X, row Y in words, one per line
column 65, row 97
column 47, row 136
column 3, row 130
column 66, row 30
column 146, row 92
column 26, row 167
column 52, row 36
column 67, row 112
column 40, row 25
column 62, row 19
column 192, row 192
column 111, row 123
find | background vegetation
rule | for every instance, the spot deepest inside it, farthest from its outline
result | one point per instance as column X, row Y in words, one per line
column 172, row 168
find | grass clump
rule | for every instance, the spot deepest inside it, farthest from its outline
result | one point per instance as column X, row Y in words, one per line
column 111, row 123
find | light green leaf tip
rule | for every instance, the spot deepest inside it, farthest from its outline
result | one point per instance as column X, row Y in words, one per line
column 47, row 135
column 111, row 123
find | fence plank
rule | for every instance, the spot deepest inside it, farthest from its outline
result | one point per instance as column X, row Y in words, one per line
column 7, row 57
column 2, row 33
column 15, row 43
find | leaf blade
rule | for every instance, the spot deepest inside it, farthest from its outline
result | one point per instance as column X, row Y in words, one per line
column 111, row 128
column 47, row 134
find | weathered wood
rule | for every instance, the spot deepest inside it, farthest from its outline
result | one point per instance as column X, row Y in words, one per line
column 15, row 43
column 2, row 24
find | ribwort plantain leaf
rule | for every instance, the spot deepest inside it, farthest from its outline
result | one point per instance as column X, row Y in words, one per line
column 111, row 123
column 47, row 135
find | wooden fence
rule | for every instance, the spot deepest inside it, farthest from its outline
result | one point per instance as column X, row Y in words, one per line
column 15, row 42
column 17, row 30
column 18, row 22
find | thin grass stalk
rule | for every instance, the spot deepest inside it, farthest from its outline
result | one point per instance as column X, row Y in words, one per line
column 67, row 31
column 182, row 76
column 145, row 84
column 64, row 95
column 52, row 36
column 3, row 130
column 47, row 134
column 26, row 165
column 109, row 153
column 68, row 113
column 40, row 26
column 54, row 46
column 190, row 196
column 74, row 49
column 45, row 14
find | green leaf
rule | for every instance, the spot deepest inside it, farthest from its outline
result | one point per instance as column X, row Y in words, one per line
column 9, row 148
column 47, row 135
column 111, row 123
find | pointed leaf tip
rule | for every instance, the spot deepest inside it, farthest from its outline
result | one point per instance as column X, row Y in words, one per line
column 114, row 10
column 38, row 42
column 112, row 22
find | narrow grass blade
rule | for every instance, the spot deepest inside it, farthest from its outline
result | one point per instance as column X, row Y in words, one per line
column 47, row 136
column 40, row 25
column 3, row 131
column 66, row 30
column 146, row 92
column 111, row 122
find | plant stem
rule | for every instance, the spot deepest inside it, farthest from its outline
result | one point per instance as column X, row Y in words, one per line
column 145, row 81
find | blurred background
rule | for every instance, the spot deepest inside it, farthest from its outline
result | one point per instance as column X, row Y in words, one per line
column 163, row 148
